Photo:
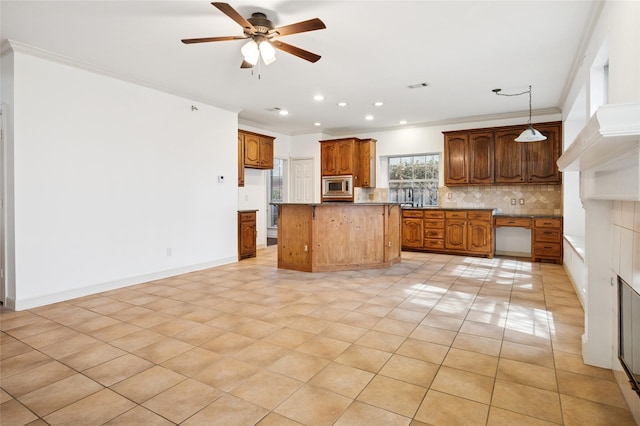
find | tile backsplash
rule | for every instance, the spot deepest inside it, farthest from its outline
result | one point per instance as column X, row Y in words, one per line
column 537, row 199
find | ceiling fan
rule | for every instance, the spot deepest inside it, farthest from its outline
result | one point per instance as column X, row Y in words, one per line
column 263, row 36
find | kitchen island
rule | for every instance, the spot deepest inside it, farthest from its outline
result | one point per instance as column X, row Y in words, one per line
column 338, row 236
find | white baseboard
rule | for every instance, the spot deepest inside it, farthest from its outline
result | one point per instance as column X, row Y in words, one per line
column 17, row 304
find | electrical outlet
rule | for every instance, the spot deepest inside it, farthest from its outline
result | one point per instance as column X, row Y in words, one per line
column 522, row 201
column 513, row 201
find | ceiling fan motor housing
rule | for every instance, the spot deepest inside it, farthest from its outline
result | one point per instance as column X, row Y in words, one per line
column 260, row 23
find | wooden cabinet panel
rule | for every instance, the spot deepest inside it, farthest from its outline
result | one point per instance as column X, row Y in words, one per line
column 345, row 161
column 546, row 240
column 412, row 232
column 367, row 163
column 266, row 153
column 480, row 236
column 455, row 235
column 481, row 157
column 328, row 158
column 251, row 150
column 246, row 234
column 516, row 222
column 456, row 169
column 542, row 156
column 509, row 157
column 412, row 213
column 352, row 156
column 257, row 150
column 240, row 159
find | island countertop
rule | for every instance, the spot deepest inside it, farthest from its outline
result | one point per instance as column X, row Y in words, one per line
column 338, row 236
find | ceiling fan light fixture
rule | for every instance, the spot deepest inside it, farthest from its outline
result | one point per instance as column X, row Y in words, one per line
column 530, row 135
column 250, row 52
column 267, row 52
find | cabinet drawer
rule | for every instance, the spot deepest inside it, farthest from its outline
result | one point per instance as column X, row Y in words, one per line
column 247, row 217
column 434, row 223
column 456, row 215
column 411, row 213
column 434, row 233
column 479, row 215
column 519, row 222
column 547, row 249
column 548, row 223
column 551, row 235
column 433, row 243
column 439, row 214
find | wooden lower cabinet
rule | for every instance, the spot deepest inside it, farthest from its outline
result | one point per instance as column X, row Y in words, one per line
column 546, row 240
column 246, row 234
column 466, row 232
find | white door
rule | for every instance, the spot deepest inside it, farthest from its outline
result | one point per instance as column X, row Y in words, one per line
column 302, row 180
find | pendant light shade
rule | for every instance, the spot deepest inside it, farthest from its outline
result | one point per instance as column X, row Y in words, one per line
column 250, row 52
column 529, row 134
column 267, row 52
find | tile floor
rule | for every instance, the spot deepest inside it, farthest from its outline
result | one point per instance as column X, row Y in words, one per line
column 434, row 340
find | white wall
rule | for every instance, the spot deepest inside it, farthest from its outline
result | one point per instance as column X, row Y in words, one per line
column 114, row 183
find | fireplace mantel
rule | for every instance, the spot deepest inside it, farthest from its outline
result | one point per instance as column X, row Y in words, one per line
column 607, row 152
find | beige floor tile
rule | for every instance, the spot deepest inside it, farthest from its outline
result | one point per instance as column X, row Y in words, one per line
column 393, row 395
column 527, row 400
column 93, row 355
column 54, row 335
column 23, row 362
column 228, row 343
column 288, row 337
column 480, row 344
column 35, row 378
column 359, row 319
column 118, row 369
column 261, row 354
column 299, row 366
column 527, row 374
column 464, row 384
column 363, row 358
column 147, row 384
column 434, row 335
column 364, row 414
column 347, row 333
column 590, row 388
column 136, row 340
column 474, row 362
column 406, row 315
column 311, row 405
column 13, row 348
column 444, row 322
column 163, row 350
column 275, row 419
column 139, row 416
column 573, row 363
column 35, row 328
column 12, row 413
column 183, row 400
column 228, row 410
column 267, row 389
column 424, row 351
column 383, row 341
column 444, row 409
column 95, row 409
column 192, row 361
column 501, row 417
column 579, row 412
column 4, row 396
column 57, row 395
column 342, row 379
column 324, row 347
column 410, row 370
column 115, row 331
column 226, row 374
column 528, row 354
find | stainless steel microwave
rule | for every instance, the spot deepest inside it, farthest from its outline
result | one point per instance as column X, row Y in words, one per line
column 337, row 186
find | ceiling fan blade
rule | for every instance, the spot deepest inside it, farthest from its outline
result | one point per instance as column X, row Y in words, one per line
column 300, row 27
column 300, row 53
column 208, row 39
column 233, row 14
column 246, row 64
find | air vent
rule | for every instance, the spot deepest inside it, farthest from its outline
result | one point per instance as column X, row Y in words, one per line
column 417, row 86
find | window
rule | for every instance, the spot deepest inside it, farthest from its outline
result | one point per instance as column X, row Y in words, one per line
column 276, row 189
column 414, row 179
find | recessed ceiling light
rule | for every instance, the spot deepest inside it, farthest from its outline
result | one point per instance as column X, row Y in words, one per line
column 368, row 117
column 283, row 112
column 342, row 104
column 378, row 103
column 317, row 124
column 318, row 98
column 403, row 121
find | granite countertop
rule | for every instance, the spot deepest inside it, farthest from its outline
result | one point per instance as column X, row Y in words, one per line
column 487, row 209
column 339, row 203
column 524, row 215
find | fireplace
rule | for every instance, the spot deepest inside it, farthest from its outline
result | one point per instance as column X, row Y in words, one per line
column 629, row 333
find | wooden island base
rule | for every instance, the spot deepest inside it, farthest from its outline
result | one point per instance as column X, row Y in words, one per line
column 338, row 236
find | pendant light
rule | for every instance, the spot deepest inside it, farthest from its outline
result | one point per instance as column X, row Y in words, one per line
column 529, row 134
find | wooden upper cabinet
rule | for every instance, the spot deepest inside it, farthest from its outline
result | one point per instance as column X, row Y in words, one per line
column 541, row 157
column 351, row 156
column 509, row 156
column 257, row 150
column 456, row 169
column 368, row 163
column 240, row 159
column 480, row 152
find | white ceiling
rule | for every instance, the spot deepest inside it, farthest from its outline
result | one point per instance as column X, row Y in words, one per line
column 371, row 51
